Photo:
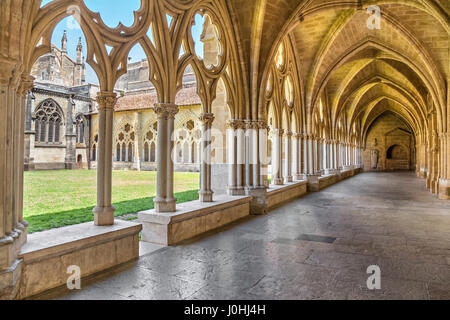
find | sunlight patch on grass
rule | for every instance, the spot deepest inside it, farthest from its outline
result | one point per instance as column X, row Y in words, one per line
column 60, row 198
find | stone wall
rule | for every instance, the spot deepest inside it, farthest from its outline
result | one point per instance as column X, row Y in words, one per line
column 390, row 145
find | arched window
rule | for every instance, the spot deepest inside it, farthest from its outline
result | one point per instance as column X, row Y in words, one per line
column 80, row 128
column 150, row 143
column 118, row 152
column 94, row 148
column 153, row 152
column 146, row 152
column 48, row 122
column 194, row 156
column 124, row 152
column 130, row 152
column 125, row 141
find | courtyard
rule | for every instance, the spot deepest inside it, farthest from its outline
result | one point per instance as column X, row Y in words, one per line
column 317, row 247
column 59, row 198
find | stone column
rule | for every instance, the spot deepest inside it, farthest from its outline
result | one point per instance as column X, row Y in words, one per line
column 71, row 138
column 444, row 180
column 288, row 157
column 257, row 154
column 263, row 153
column 316, row 155
column 326, row 151
column 138, row 147
column 234, row 156
column 297, row 147
column 165, row 200
column 277, row 135
column 206, row 194
column 248, row 168
column 104, row 211
column 30, row 133
column 240, row 167
column 309, row 158
column 13, row 90
column 312, row 174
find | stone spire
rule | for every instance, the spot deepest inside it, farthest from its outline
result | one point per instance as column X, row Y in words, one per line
column 64, row 42
column 79, row 52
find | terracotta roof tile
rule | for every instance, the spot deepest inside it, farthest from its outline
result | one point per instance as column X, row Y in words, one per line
column 185, row 97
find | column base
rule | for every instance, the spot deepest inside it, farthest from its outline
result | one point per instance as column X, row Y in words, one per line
column 10, row 266
column 300, row 177
column 444, row 189
column 10, row 281
column 289, row 179
column 104, row 216
column 165, row 205
column 259, row 203
column 278, row 181
column 313, row 182
column 206, row 196
column 236, row 191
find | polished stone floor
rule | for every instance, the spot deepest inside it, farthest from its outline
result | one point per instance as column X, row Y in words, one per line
column 317, row 247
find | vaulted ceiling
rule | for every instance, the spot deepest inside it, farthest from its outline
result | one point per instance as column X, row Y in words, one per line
column 358, row 72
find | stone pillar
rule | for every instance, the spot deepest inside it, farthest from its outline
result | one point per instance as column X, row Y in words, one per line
column 263, row 153
column 165, row 200
column 104, row 211
column 234, row 157
column 251, row 155
column 277, row 135
column 316, row 155
column 30, row 133
column 297, row 151
column 138, row 147
column 257, row 154
column 240, row 167
column 206, row 194
column 288, row 157
column 13, row 90
column 308, row 156
column 71, row 138
column 444, row 181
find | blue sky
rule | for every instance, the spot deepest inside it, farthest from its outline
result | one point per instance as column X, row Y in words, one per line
column 112, row 12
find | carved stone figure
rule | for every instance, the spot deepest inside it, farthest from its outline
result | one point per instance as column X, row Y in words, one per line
column 374, row 159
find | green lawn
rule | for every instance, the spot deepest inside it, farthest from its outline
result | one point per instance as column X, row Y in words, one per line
column 54, row 199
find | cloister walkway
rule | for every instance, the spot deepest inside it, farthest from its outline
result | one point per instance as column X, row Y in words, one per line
column 317, row 247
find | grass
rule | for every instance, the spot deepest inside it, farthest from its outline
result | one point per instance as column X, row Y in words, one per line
column 54, row 199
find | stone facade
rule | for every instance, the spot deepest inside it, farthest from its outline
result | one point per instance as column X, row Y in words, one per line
column 390, row 145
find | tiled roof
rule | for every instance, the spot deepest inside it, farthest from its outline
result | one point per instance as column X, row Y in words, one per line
column 185, row 97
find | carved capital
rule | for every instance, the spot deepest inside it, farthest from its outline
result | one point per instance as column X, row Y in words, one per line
column 106, row 100
column 235, row 124
column 249, row 124
column 165, row 110
column 26, row 84
column 206, row 118
column 262, row 125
